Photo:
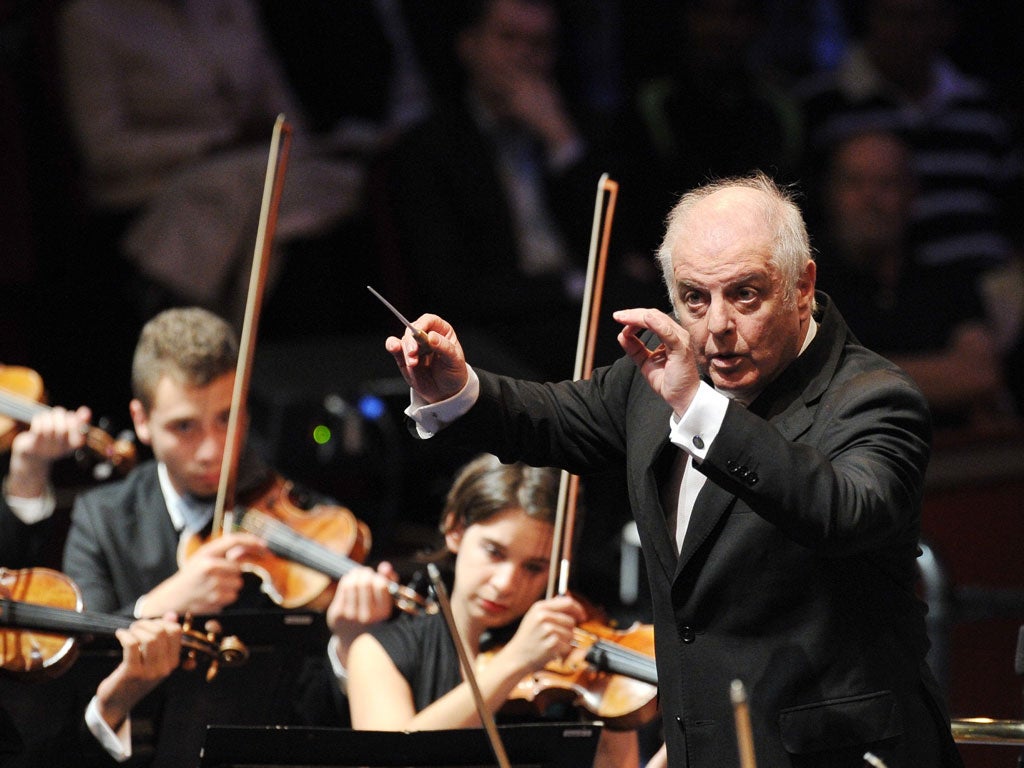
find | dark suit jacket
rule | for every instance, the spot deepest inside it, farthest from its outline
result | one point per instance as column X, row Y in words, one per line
column 798, row 568
column 457, row 244
column 21, row 545
column 122, row 544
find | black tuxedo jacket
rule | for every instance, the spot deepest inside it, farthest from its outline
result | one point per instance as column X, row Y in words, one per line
column 798, row 569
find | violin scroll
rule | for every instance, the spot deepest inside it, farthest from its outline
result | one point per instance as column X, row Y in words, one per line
column 408, row 600
column 117, row 453
column 221, row 651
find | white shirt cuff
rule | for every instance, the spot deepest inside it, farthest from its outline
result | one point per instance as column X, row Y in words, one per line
column 34, row 510
column 137, row 610
column 339, row 669
column 432, row 418
column 698, row 427
column 118, row 745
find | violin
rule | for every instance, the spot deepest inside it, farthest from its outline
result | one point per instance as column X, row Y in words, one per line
column 22, row 395
column 41, row 613
column 611, row 673
column 314, row 547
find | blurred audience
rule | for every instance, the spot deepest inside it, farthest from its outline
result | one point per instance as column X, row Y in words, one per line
column 491, row 198
column 172, row 105
column 372, row 65
column 931, row 320
column 713, row 113
column 896, row 77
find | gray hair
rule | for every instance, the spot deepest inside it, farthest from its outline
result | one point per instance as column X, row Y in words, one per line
column 790, row 249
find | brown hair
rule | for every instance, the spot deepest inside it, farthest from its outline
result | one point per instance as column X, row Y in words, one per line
column 189, row 344
column 484, row 487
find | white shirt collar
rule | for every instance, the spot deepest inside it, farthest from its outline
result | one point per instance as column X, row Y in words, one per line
column 171, row 497
column 812, row 331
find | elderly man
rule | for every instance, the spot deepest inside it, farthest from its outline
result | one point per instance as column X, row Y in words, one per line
column 775, row 469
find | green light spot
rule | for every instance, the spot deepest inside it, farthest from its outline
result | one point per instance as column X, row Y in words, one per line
column 321, row 434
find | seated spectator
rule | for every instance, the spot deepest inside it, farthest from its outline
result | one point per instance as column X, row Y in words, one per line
column 172, row 106
column 1005, row 288
column 712, row 113
column 491, row 198
column 930, row 320
column 381, row 55
column 897, row 78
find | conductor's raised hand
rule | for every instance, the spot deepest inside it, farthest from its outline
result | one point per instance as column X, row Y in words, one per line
column 670, row 368
column 435, row 374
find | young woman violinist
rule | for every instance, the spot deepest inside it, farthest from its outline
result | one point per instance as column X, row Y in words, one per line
column 498, row 522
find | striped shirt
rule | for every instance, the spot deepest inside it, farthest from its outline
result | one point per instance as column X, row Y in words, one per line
column 963, row 152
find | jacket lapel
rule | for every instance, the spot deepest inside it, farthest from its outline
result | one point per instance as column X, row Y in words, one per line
column 654, row 461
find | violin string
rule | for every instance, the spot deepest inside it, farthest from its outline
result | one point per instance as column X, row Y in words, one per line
column 19, row 408
column 288, row 543
column 47, row 618
column 622, row 655
column 57, row 619
column 620, row 659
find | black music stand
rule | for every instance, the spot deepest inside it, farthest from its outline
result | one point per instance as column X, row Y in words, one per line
column 539, row 745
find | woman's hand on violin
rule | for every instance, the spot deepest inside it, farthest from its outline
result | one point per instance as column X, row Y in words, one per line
column 545, row 633
column 362, row 598
column 436, row 374
column 52, row 434
column 150, row 651
column 207, row 581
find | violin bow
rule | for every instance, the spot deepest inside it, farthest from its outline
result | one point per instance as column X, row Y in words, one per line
column 744, row 733
column 486, row 716
column 568, row 487
column 277, row 163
